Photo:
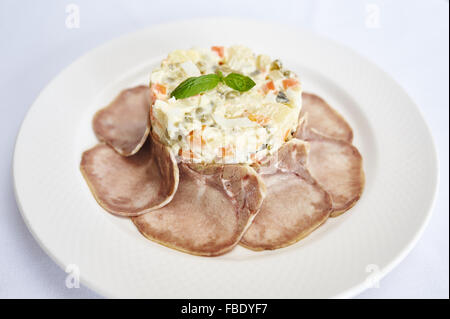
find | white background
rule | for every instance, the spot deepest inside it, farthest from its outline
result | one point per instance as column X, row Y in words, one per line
column 408, row 39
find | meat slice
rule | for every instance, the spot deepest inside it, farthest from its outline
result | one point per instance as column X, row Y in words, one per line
column 324, row 119
column 124, row 124
column 336, row 164
column 134, row 185
column 295, row 203
column 210, row 211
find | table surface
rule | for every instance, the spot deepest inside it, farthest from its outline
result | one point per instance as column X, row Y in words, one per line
column 408, row 39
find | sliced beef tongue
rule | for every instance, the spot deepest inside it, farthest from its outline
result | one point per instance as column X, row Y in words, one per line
column 211, row 210
column 124, row 124
column 134, row 185
column 336, row 164
column 324, row 119
column 295, row 203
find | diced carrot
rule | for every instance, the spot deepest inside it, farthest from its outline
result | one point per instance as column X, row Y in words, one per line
column 186, row 154
column 194, row 140
column 226, row 151
column 260, row 119
column 158, row 88
column 219, row 50
column 289, row 82
column 152, row 94
column 268, row 86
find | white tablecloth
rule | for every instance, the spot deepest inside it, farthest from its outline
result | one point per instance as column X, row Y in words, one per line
column 408, row 39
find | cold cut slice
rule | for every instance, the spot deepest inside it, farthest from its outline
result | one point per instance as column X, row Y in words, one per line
column 134, row 185
column 337, row 165
column 124, row 124
column 324, row 119
column 295, row 203
column 210, row 211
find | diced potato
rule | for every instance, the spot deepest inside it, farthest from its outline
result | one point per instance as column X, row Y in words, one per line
column 263, row 62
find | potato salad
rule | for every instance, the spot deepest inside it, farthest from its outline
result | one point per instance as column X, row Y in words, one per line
column 248, row 105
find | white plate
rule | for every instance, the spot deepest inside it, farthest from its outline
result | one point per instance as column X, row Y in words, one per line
column 340, row 259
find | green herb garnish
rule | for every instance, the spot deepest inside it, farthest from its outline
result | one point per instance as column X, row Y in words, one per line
column 239, row 82
column 196, row 85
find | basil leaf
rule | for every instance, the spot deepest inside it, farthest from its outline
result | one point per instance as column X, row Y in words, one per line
column 239, row 82
column 195, row 85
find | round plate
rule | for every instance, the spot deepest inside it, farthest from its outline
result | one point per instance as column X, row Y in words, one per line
column 340, row 259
